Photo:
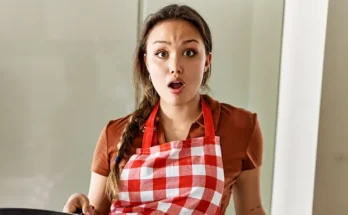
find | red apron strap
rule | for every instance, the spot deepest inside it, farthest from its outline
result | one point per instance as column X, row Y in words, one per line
column 150, row 133
column 149, row 129
column 208, row 119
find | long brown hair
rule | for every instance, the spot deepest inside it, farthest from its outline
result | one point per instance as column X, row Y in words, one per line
column 146, row 95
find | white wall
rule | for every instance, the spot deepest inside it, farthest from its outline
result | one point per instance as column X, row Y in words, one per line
column 330, row 196
column 65, row 71
column 299, row 105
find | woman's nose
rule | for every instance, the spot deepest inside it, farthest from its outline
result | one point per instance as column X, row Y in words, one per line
column 175, row 66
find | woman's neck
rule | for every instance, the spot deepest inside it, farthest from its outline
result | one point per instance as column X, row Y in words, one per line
column 187, row 113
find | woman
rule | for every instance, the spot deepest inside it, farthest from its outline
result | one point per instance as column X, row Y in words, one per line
column 181, row 151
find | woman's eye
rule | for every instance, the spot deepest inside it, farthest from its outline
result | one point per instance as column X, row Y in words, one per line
column 162, row 54
column 189, row 53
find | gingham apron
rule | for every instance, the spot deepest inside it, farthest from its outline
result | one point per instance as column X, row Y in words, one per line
column 178, row 177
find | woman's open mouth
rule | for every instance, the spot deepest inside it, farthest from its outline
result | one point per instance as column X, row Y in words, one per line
column 176, row 87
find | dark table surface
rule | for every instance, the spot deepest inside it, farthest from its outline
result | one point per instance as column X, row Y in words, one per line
column 29, row 211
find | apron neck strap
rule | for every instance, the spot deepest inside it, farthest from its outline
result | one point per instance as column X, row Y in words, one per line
column 150, row 129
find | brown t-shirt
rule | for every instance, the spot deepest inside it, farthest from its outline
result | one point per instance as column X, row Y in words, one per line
column 238, row 129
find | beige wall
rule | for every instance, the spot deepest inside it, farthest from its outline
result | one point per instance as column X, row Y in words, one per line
column 332, row 158
column 264, row 69
column 64, row 72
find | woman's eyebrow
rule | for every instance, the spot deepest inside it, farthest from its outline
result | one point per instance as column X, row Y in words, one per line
column 190, row 41
column 169, row 43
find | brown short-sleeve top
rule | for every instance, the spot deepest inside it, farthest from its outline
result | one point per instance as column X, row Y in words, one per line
column 240, row 138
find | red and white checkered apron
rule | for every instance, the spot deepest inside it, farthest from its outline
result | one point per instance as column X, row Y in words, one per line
column 178, row 177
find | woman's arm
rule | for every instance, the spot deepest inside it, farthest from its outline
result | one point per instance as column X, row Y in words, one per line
column 96, row 194
column 246, row 193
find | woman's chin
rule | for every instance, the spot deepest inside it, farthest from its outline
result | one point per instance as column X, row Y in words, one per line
column 179, row 99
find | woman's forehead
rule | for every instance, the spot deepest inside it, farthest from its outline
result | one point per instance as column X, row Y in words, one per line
column 174, row 31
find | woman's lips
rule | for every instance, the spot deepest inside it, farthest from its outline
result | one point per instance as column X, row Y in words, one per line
column 176, row 87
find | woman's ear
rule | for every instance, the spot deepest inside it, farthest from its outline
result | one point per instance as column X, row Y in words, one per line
column 208, row 61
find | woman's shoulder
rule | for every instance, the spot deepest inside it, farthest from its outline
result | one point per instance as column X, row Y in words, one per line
column 240, row 133
column 115, row 127
column 231, row 115
column 237, row 116
column 240, row 130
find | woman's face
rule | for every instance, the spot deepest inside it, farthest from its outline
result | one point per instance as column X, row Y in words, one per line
column 176, row 60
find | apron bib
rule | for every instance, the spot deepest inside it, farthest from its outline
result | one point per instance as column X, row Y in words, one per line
column 178, row 177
